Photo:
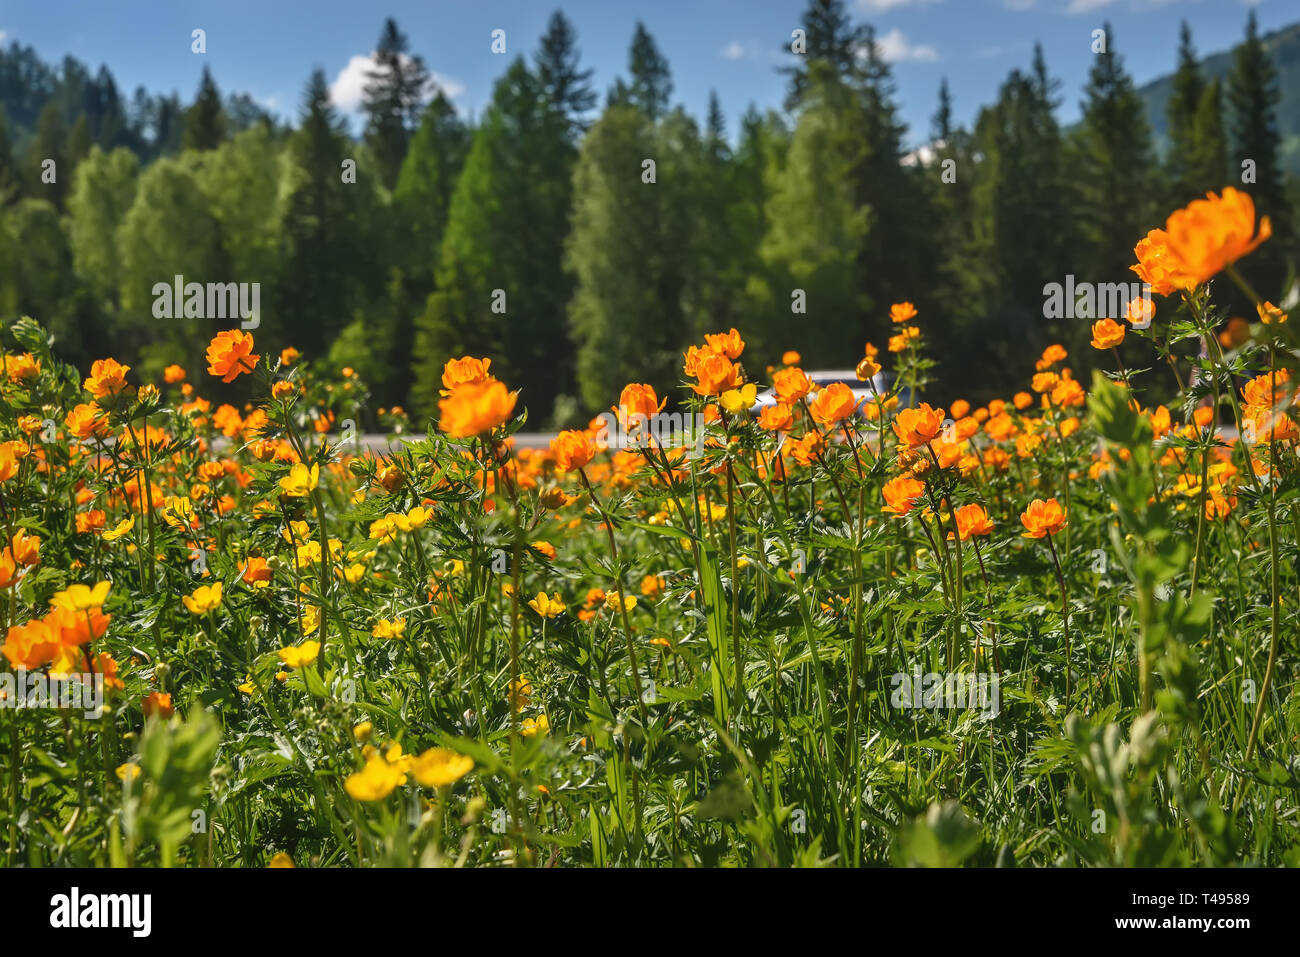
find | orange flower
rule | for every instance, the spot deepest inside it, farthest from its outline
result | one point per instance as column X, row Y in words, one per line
column 776, row 418
column 900, row 312
column 1043, row 518
column 464, row 371
column 31, row 645
column 1107, row 334
column 24, row 366
column 157, row 703
column 959, row 409
column 1140, row 312
column 728, row 344
column 230, row 353
column 806, row 449
column 256, row 573
column 833, row 404
column 1158, row 266
column 572, row 450
column 25, row 548
column 475, row 408
column 8, row 463
column 173, row 374
column 791, row 385
column 901, row 494
column 1269, row 313
column 972, row 520
column 289, row 355
column 107, row 378
column 919, row 426
column 638, row 399
column 715, row 372
column 790, row 358
column 1212, row 233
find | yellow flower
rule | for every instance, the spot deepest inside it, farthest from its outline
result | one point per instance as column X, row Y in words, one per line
column 300, row 480
column 389, row 629
column 532, row 726
column 297, row 656
column 375, row 781
column 204, row 599
column 738, row 400
column 247, row 687
column 363, row 731
column 546, row 607
column 440, row 767
column 309, row 620
column 81, row 597
column 128, row 771
column 118, row 530
column 354, row 573
column 418, row 516
column 281, row 860
column 612, row 600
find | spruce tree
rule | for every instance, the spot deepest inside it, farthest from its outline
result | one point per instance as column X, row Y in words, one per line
column 1181, row 111
column 1253, row 98
column 566, row 86
column 205, row 121
column 393, row 99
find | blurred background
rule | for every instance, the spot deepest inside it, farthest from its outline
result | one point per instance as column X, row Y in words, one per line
column 466, row 178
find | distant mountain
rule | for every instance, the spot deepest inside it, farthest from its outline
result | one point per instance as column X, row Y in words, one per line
column 1284, row 47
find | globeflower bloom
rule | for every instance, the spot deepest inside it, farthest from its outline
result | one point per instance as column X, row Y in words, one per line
column 919, row 426
column 791, row 385
column 1200, row 241
column 1043, row 518
column 440, row 767
column 204, row 599
column 107, row 378
column 572, row 450
column 298, row 656
column 901, row 312
column 547, row 607
column 1107, row 334
column 901, row 494
column 476, row 408
column 464, row 371
column 972, row 520
column 230, row 354
column 834, row 404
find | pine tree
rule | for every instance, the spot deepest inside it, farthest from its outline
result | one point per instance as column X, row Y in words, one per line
column 205, row 122
column 50, row 143
column 8, row 171
column 817, row 228
column 627, row 315
column 323, row 225
column 1184, row 103
column 651, row 83
column 1112, row 171
column 830, row 38
column 1253, row 98
column 1207, row 166
column 511, row 202
column 556, row 62
column 393, row 99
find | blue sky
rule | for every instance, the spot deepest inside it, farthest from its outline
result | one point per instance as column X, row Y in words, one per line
column 268, row 47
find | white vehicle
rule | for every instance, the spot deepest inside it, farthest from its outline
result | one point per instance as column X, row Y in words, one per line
column 862, row 391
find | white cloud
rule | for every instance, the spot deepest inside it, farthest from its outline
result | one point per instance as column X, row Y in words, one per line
column 883, row 6
column 348, row 88
column 733, row 51
column 3, row 36
column 1087, row 6
column 895, row 48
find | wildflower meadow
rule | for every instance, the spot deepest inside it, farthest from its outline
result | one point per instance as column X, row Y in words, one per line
column 1056, row 628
